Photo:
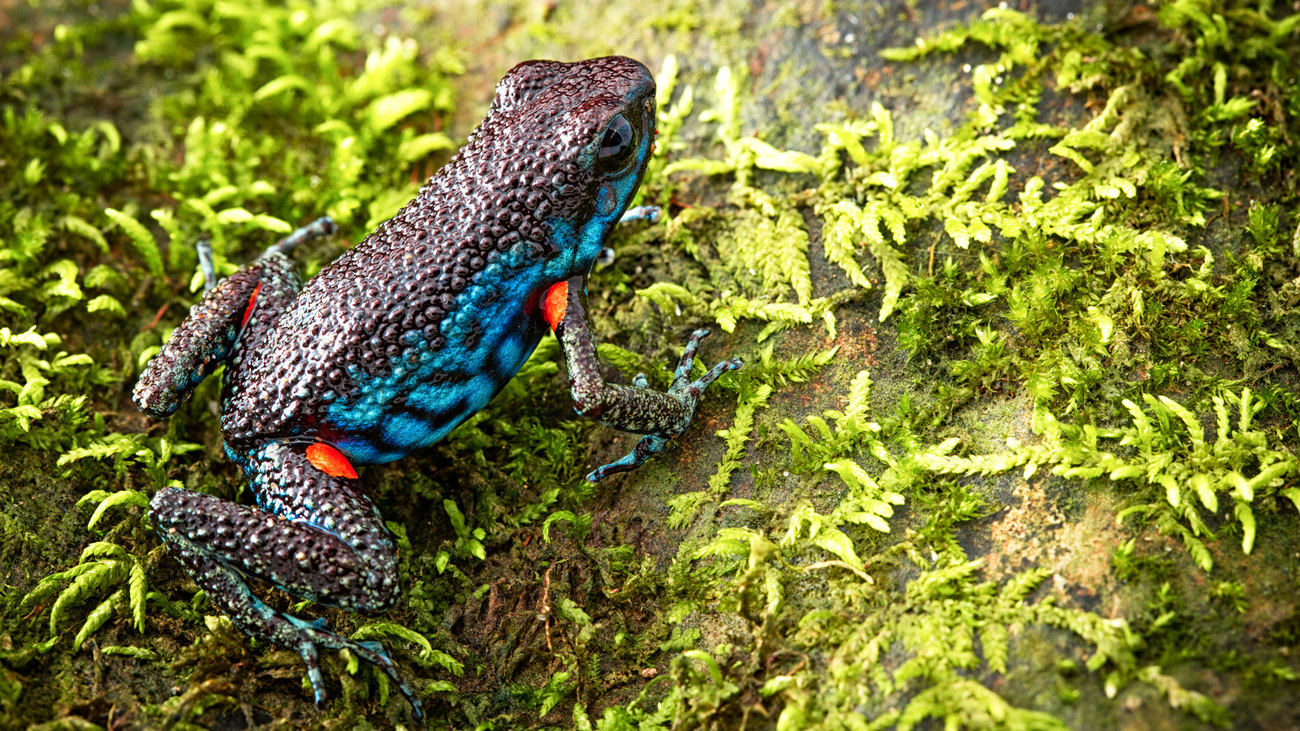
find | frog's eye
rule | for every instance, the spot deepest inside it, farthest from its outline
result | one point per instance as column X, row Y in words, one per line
column 617, row 147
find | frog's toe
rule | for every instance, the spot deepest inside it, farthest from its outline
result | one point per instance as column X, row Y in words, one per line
column 373, row 646
column 649, row 214
column 375, row 654
column 731, row 364
column 649, row 446
column 311, row 657
column 683, row 372
column 311, row 636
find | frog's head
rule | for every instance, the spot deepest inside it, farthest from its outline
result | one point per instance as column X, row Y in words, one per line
column 564, row 149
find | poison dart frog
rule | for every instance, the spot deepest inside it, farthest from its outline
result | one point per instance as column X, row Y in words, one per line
column 402, row 338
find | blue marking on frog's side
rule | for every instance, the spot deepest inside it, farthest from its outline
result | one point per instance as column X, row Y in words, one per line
column 375, row 427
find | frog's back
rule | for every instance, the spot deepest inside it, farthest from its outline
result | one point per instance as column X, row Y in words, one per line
column 416, row 327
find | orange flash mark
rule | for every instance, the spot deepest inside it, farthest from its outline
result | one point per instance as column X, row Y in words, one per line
column 556, row 300
column 329, row 460
column 251, row 301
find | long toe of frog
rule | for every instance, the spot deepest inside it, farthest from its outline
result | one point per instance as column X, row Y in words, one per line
column 647, row 447
column 373, row 646
column 375, row 654
column 311, row 658
column 683, row 372
column 310, row 638
column 683, row 387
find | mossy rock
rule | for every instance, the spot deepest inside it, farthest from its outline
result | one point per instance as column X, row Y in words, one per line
column 1015, row 443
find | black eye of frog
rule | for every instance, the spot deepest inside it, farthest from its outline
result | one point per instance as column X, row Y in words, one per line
column 617, row 147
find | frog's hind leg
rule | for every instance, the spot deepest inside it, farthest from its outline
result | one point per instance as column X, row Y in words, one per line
column 649, row 214
column 238, row 309
column 316, row 536
column 323, row 226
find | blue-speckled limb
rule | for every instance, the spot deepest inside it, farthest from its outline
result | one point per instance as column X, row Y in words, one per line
column 316, row 536
column 659, row 416
column 207, row 338
column 649, row 214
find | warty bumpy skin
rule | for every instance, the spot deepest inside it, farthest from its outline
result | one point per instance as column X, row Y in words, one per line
column 402, row 338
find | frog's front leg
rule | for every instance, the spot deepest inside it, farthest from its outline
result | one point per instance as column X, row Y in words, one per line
column 316, row 536
column 659, row 416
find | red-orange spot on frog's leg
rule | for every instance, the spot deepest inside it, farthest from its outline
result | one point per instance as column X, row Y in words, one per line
column 248, row 312
column 329, row 460
column 555, row 302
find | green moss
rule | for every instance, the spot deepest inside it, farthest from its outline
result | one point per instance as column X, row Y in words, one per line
column 1071, row 290
column 920, row 312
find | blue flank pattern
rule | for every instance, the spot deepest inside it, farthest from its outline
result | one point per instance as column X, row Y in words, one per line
column 378, row 431
column 375, row 430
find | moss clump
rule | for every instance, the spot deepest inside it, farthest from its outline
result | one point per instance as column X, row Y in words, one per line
column 1077, row 290
column 236, row 122
column 1067, row 258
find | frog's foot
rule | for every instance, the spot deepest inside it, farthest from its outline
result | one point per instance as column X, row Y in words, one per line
column 230, row 593
column 649, row 446
column 309, row 637
column 649, row 214
column 323, row 226
column 658, row 416
column 685, row 391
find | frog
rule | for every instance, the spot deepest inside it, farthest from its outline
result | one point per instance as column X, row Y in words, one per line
column 400, row 339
